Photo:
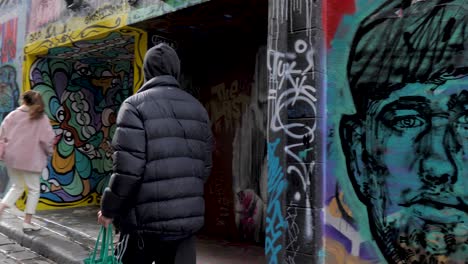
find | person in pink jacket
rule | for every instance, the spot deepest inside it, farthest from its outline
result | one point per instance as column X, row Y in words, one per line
column 28, row 142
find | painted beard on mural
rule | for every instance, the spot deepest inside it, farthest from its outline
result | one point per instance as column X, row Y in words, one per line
column 407, row 145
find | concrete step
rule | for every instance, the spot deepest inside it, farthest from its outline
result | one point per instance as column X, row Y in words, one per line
column 68, row 235
column 12, row 253
column 54, row 242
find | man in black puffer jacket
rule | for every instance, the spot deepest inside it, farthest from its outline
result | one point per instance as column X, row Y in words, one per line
column 163, row 146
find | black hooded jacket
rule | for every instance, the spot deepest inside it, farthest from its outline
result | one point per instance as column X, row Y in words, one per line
column 163, row 146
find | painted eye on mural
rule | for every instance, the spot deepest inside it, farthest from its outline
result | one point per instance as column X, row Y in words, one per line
column 89, row 150
column 84, row 71
column 404, row 119
column 406, row 122
column 60, row 115
column 68, row 137
column 87, row 147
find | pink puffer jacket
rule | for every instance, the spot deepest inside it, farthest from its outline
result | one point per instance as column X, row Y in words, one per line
column 28, row 142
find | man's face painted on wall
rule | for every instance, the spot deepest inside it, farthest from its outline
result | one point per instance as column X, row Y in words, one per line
column 409, row 159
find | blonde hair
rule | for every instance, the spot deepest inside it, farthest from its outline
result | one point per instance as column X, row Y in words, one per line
column 34, row 101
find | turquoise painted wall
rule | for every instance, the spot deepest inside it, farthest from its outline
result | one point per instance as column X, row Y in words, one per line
column 397, row 126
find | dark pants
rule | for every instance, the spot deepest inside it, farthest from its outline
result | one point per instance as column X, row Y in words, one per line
column 144, row 249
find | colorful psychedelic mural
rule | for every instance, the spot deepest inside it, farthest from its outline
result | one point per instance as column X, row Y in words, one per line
column 83, row 98
column 397, row 157
column 83, row 83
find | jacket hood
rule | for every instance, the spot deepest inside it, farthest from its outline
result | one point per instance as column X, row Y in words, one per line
column 159, row 81
column 161, row 60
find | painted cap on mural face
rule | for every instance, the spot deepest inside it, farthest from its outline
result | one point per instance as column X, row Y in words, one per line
column 406, row 42
column 161, row 60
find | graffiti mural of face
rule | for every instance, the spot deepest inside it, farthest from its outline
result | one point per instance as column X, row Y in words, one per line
column 406, row 147
column 409, row 159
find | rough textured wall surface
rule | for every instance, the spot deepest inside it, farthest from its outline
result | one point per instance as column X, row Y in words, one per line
column 397, row 163
column 49, row 18
column 249, row 170
column 295, row 106
column 12, row 30
column 235, row 191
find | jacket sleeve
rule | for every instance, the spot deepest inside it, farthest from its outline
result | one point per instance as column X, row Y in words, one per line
column 5, row 126
column 2, row 130
column 129, row 160
column 208, row 153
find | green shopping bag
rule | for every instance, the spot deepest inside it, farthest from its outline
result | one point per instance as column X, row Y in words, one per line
column 106, row 237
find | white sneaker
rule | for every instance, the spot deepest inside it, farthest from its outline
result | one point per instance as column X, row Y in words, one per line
column 29, row 227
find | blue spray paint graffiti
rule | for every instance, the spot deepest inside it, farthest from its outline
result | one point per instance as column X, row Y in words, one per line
column 276, row 223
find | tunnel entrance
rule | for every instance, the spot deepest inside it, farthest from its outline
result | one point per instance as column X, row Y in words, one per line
column 83, row 84
column 222, row 47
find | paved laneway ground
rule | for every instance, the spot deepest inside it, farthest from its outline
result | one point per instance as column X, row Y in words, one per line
column 13, row 253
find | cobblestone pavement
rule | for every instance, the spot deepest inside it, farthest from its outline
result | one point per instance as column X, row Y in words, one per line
column 13, row 253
